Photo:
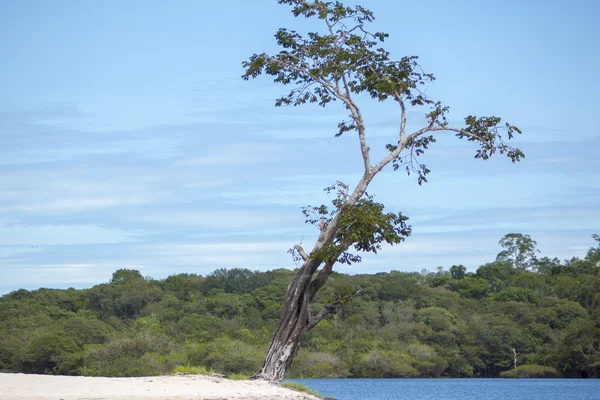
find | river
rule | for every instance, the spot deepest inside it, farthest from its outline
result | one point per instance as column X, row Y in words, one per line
column 456, row 389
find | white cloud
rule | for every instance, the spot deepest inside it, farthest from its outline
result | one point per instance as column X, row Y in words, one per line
column 217, row 219
column 207, row 184
column 73, row 204
column 217, row 248
column 53, row 192
column 553, row 160
column 236, row 154
column 64, row 275
column 253, row 255
column 63, row 235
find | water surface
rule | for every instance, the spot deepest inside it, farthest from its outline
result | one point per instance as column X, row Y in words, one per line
column 456, row 389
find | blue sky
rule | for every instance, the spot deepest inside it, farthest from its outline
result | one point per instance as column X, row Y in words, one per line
column 130, row 141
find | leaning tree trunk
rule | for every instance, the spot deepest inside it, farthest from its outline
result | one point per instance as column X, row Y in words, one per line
column 296, row 318
column 294, row 321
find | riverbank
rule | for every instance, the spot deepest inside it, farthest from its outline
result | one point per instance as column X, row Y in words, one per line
column 179, row 387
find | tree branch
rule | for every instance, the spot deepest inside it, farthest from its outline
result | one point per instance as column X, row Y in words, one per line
column 347, row 98
column 328, row 232
column 334, row 90
column 320, row 280
column 432, row 128
column 402, row 139
column 330, row 308
column 328, row 85
column 301, row 252
column 360, row 127
column 402, row 145
column 387, row 159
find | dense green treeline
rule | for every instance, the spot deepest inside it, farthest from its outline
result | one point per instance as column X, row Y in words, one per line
column 544, row 312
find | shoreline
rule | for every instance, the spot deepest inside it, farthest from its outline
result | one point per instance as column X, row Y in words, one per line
column 15, row 386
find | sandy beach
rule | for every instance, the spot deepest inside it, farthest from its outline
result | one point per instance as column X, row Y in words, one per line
column 188, row 387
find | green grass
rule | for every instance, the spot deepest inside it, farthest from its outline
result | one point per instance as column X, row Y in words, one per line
column 188, row 369
column 300, row 387
column 238, row 377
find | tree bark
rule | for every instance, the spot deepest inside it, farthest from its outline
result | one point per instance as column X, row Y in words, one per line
column 296, row 319
column 294, row 322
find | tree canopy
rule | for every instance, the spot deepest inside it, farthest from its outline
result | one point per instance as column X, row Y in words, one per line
column 448, row 322
column 519, row 250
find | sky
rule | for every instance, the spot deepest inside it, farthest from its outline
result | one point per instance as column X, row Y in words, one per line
column 129, row 140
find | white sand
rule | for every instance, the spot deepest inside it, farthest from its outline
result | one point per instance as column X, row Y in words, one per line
column 188, row 387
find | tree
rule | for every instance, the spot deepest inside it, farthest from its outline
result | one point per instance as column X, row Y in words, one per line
column 126, row 276
column 593, row 253
column 520, row 250
column 458, row 271
column 500, row 275
column 340, row 65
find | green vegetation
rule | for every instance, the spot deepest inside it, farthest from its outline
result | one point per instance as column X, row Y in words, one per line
column 445, row 323
column 188, row 369
column 238, row 377
column 530, row 371
column 300, row 387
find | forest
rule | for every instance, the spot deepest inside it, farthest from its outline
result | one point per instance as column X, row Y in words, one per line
column 537, row 314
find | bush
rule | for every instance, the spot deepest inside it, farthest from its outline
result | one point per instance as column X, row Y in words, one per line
column 531, row 371
column 137, row 356
column 228, row 356
column 88, row 330
column 385, row 364
column 519, row 294
column 45, row 353
column 318, row 365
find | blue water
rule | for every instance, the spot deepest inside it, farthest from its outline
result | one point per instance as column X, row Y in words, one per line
column 456, row 389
